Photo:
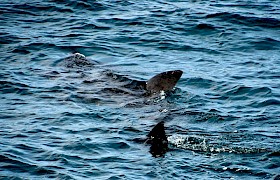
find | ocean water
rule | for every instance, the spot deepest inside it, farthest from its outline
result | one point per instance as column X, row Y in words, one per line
column 89, row 122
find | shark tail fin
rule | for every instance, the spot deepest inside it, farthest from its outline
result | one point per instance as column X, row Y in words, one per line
column 158, row 140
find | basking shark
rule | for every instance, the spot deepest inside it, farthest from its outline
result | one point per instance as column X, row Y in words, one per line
column 159, row 141
column 164, row 81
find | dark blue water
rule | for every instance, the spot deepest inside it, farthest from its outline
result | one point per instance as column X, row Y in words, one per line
column 85, row 122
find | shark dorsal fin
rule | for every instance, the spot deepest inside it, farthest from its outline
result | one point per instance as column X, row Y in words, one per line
column 165, row 81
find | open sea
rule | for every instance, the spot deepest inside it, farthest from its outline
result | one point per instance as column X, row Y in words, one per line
column 86, row 122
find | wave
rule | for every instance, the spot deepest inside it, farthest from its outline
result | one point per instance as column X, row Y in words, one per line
column 14, row 87
column 265, row 44
column 36, row 9
column 6, row 38
column 199, row 82
column 265, row 103
column 245, row 91
column 246, row 20
column 83, row 5
column 16, row 10
column 18, row 165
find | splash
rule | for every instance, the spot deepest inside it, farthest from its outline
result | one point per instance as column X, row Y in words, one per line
column 201, row 144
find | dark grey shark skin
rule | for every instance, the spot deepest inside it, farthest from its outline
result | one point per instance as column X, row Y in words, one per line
column 165, row 81
column 158, row 140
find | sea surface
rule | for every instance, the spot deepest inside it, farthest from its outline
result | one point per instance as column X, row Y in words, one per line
column 87, row 122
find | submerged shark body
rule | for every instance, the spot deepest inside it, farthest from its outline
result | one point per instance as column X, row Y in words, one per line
column 164, row 81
